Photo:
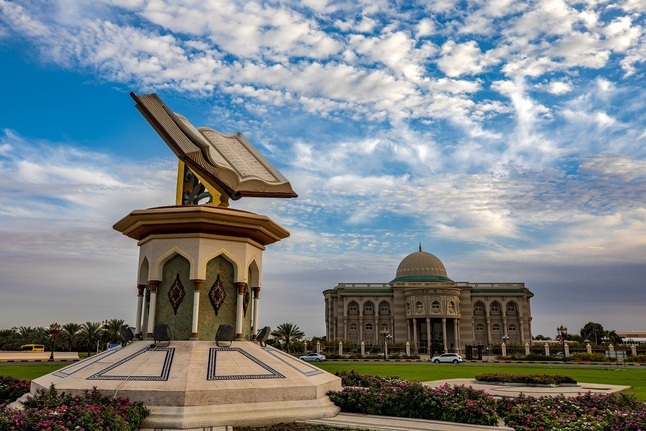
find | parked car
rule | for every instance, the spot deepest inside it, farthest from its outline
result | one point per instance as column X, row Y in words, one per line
column 451, row 358
column 313, row 357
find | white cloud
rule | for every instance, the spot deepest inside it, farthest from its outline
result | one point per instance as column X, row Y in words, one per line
column 559, row 87
column 460, row 59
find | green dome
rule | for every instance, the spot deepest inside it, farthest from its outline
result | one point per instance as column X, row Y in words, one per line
column 421, row 266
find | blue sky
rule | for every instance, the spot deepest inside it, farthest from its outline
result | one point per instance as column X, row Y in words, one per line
column 508, row 137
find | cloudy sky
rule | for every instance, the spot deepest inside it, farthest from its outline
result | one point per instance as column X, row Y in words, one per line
column 508, row 137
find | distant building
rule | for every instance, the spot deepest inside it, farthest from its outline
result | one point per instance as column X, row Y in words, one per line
column 423, row 306
column 632, row 337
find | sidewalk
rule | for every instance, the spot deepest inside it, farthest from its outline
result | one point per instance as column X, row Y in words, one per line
column 387, row 423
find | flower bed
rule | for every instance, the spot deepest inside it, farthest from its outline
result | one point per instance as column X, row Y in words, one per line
column 585, row 412
column 11, row 389
column 50, row 410
column 395, row 397
column 526, row 379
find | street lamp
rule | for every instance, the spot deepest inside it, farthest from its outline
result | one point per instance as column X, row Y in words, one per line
column 562, row 331
column 386, row 333
column 53, row 330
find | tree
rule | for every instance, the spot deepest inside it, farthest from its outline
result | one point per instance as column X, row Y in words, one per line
column 111, row 333
column 91, row 333
column 593, row 331
column 288, row 333
column 70, row 333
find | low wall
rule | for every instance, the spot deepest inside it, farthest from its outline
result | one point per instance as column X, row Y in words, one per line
column 38, row 356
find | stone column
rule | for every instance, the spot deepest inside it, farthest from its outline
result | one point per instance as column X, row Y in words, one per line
column 340, row 348
column 588, row 348
column 455, row 335
column 444, row 334
column 197, row 285
column 567, row 349
column 318, row 347
column 256, row 301
column 488, row 329
column 504, row 349
column 415, row 348
column 240, row 285
column 547, row 349
column 526, row 349
column 633, row 350
column 377, row 329
column 140, row 306
column 407, row 348
column 363, row 348
column 428, row 336
column 151, row 310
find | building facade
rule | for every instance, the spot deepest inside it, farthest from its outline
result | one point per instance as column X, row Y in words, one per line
column 424, row 307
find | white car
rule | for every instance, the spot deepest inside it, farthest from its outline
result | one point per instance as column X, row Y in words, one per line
column 450, row 358
column 313, row 357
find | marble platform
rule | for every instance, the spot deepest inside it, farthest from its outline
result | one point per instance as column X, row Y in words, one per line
column 198, row 385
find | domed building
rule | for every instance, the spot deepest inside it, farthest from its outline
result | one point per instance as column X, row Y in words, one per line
column 424, row 307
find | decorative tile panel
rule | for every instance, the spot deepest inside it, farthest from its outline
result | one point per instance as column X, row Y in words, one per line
column 212, row 373
column 217, row 295
column 176, row 294
column 246, row 297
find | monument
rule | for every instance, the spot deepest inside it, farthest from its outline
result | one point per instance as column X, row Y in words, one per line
column 197, row 358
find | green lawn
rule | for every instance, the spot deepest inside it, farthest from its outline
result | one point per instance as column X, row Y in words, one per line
column 424, row 372
column 29, row 371
column 415, row 371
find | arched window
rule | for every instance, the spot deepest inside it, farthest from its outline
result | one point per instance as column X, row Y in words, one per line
column 512, row 327
column 353, row 308
column 435, row 306
column 368, row 326
column 384, row 326
column 419, row 307
column 451, row 307
column 479, row 327
column 384, row 308
column 368, row 308
column 478, row 308
column 353, row 326
column 511, row 308
column 495, row 327
column 495, row 308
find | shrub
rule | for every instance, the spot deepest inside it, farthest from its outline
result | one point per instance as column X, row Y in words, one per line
column 537, row 357
column 532, row 379
column 593, row 357
column 11, row 389
column 638, row 358
column 396, row 397
column 585, row 412
column 51, row 410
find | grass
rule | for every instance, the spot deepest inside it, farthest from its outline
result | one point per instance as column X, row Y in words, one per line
column 424, row 372
column 29, row 371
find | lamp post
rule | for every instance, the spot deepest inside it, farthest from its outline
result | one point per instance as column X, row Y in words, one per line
column 53, row 330
column 562, row 331
column 385, row 332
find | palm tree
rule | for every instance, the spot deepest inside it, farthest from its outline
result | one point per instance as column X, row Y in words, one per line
column 90, row 335
column 70, row 333
column 111, row 333
column 288, row 333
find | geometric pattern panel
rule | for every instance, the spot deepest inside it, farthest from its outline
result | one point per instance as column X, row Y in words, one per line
column 300, row 366
column 246, row 297
column 176, row 294
column 227, row 363
column 75, row 368
column 158, row 362
column 217, row 295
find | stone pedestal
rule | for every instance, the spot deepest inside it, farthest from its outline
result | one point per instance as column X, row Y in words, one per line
column 196, row 384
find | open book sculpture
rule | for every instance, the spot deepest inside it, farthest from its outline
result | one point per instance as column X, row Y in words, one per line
column 212, row 165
